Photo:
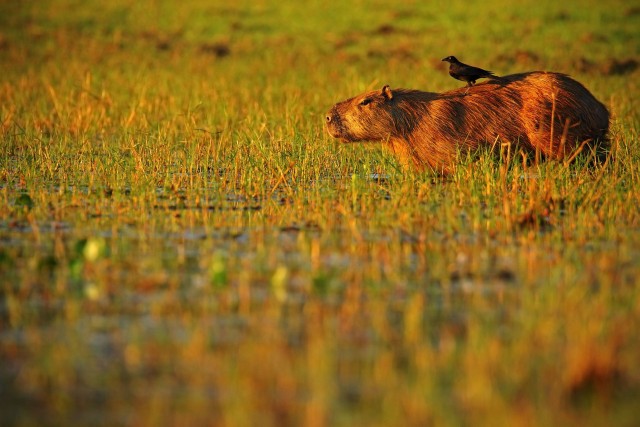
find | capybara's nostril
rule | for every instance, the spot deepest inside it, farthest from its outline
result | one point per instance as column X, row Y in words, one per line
column 328, row 118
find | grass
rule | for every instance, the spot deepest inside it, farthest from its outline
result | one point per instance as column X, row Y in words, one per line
column 181, row 243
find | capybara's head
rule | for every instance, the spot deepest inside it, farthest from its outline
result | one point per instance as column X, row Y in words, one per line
column 366, row 117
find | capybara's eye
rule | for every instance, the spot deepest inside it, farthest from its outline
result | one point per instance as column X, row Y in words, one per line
column 365, row 101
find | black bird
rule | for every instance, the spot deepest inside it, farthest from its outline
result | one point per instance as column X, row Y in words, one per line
column 465, row 72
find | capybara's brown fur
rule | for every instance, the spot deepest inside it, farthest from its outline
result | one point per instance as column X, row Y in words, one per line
column 543, row 111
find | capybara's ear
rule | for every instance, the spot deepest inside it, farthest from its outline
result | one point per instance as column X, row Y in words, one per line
column 386, row 91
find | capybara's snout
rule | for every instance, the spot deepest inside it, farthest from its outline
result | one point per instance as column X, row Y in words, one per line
column 332, row 123
column 328, row 118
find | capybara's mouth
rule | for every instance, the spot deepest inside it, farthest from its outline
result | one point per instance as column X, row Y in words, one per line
column 335, row 127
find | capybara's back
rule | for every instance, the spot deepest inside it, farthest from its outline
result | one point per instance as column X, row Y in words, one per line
column 560, row 114
column 541, row 111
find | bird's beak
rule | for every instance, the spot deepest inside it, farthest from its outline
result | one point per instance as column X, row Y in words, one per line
column 444, row 59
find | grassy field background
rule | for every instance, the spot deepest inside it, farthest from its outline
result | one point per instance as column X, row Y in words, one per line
column 181, row 243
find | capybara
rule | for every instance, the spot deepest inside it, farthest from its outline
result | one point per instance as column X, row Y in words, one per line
column 543, row 111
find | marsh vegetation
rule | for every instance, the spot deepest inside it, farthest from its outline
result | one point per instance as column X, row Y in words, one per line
column 181, row 243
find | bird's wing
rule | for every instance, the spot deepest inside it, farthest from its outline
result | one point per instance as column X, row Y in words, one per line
column 473, row 71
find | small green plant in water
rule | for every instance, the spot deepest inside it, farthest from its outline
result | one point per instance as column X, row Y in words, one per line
column 218, row 273
column 24, row 202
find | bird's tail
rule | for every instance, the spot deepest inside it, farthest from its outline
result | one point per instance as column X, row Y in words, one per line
column 498, row 78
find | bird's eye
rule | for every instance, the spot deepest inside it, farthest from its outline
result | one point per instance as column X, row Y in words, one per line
column 365, row 101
